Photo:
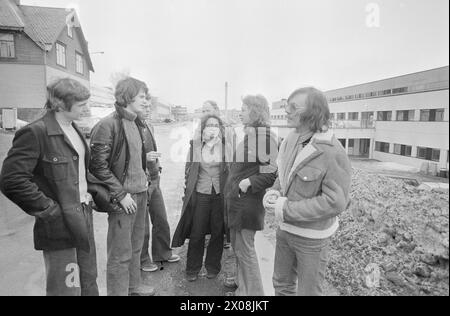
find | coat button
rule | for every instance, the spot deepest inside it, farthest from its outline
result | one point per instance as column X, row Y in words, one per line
column 75, row 158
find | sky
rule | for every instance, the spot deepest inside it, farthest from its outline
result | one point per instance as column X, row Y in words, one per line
column 186, row 50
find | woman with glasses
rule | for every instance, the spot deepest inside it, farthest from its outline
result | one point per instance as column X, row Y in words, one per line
column 202, row 212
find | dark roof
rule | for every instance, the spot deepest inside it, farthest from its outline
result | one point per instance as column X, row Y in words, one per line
column 9, row 16
column 43, row 25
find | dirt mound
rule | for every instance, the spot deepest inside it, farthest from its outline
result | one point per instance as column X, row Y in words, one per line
column 393, row 240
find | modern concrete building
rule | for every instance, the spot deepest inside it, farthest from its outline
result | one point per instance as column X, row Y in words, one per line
column 403, row 119
column 37, row 46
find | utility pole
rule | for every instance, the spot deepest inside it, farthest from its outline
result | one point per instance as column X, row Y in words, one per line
column 226, row 100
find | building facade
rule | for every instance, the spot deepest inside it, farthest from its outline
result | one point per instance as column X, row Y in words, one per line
column 161, row 110
column 180, row 113
column 403, row 119
column 37, row 46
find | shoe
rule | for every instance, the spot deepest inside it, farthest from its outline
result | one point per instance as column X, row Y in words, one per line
column 149, row 267
column 144, row 291
column 230, row 283
column 191, row 277
column 212, row 275
column 174, row 258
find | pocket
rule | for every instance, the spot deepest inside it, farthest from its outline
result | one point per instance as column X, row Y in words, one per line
column 308, row 181
column 56, row 168
column 55, row 228
column 76, row 221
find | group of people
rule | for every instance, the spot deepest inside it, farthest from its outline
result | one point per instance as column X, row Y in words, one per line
column 54, row 175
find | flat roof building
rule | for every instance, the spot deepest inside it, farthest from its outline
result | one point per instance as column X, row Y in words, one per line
column 403, row 119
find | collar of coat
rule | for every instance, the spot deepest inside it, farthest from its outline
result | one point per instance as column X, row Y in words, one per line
column 53, row 127
column 124, row 114
column 308, row 153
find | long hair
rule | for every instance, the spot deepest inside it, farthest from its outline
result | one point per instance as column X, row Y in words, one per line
column 205, row 120
column 258, row 107
column 127, row 89
column 62, row 94
column 317, row 113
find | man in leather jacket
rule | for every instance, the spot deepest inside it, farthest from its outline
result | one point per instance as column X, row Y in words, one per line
column 119, row 160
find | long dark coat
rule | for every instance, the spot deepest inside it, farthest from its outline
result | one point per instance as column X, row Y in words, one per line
column 255, row 159
column 183, row 230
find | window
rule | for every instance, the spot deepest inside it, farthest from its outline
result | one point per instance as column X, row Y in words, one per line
column 353, row 116
column 351, row 143
column 436, row 115
column 7, row 49
column 428, row 153
column 384, row 116
column 70, row 31
column 332, row 116
column 400, row 90
column 60, row 55
column 341, row 116
column 80, row 63
column 382, row 147
column 385, row 92
column 405, row 115
column 402, row 150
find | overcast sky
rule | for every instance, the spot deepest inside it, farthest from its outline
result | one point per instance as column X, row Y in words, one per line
column 186, row 49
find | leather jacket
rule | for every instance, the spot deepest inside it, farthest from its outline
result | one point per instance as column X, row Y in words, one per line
column 110, row 154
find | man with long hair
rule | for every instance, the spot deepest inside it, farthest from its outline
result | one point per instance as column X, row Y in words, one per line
column 119, row 159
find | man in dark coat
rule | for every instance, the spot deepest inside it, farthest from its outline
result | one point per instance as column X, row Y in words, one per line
column 46, row 175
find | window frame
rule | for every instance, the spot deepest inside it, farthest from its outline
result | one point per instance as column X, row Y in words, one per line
column 351, row 118
column 386, row 116
column 77, row 54
column 380, row 146
column 14, row 52
column 62, row 45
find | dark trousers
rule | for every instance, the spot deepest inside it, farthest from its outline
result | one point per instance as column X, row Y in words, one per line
column 208, row 218
column 73, row 272
column 161, row 250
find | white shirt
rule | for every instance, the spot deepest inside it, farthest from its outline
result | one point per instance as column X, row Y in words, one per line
column 78, row 144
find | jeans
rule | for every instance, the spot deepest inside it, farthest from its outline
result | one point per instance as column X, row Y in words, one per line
column 300, row 265
column 161, row 250
column 72, row 272
column 208, row 219
column 248, row 278
column 124, row 246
